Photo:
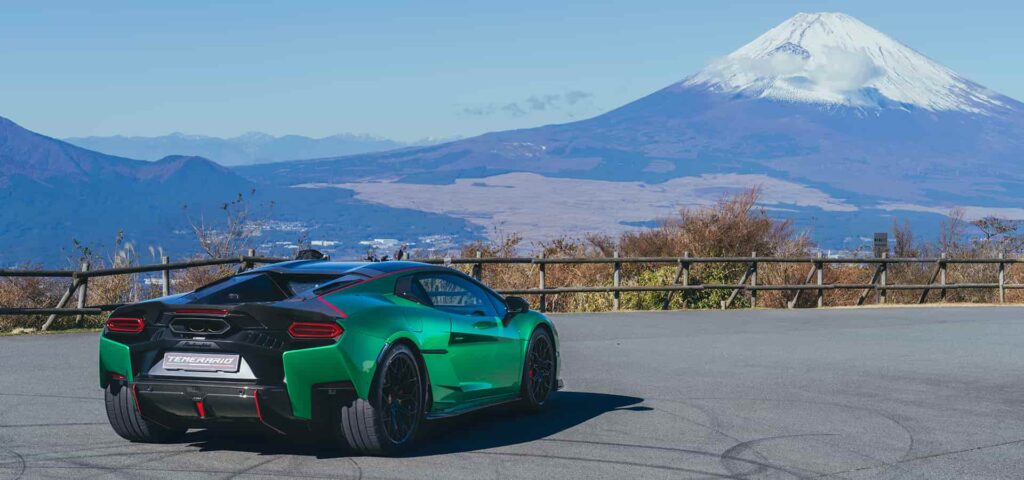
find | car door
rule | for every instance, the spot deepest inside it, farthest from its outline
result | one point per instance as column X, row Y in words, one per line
column 479, row 347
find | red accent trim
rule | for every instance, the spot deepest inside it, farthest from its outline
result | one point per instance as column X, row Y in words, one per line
column 125, row 324
column 338, row 310
column 332, row 307
column 201, row 409
column 259, row 412
column 202, row 311
column 374, row 278
column 256, row 398
column 135, row 396
column 116, row 376
column 315, row 330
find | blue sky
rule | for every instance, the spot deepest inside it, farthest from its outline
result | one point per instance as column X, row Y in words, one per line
column 412, row 69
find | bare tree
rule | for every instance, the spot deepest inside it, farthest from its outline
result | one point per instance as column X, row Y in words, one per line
column 236, row 233
column 1000, row 233
column 952, row 232
column 904, row 237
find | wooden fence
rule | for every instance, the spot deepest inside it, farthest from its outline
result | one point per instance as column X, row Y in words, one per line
column 814, row 282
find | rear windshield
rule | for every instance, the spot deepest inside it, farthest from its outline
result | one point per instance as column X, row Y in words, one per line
column 258, row 287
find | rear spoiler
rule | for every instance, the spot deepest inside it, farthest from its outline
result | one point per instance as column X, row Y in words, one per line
column 247, row 315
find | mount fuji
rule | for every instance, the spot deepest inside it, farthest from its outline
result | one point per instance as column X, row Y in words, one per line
column 843, row 127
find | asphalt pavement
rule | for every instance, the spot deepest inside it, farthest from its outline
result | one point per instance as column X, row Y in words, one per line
column 903, row 393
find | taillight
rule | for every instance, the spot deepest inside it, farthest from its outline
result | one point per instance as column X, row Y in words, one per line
column 315, row 330
column 125, row 325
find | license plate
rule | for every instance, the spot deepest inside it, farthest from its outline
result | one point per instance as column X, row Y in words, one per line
column 201, row 362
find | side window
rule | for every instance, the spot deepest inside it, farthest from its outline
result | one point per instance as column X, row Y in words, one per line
column 499, row 305
column 456, row 295
column 408, row 288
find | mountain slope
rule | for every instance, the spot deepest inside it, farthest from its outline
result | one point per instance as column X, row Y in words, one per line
column 54, row 193
column 246, row 149
column 820, row 101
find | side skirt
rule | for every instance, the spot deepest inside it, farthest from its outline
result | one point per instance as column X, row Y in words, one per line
column 475, row 408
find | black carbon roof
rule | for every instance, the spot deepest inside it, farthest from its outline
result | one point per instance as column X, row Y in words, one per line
column 328, row 267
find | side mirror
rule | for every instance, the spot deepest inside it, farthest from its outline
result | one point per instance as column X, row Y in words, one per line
column 517, row 305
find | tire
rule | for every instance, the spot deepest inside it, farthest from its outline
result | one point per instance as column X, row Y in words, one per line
column 387, row 423
column 127, row 422
column 539, row 371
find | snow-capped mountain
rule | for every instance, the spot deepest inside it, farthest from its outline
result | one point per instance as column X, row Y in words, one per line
column 835, row 59
column 820, row 107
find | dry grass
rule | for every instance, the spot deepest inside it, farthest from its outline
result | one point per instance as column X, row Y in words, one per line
column 29, row 292
column 737, row 227
column 734, row 227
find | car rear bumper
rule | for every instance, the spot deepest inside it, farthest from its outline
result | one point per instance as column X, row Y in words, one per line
column 201, row 404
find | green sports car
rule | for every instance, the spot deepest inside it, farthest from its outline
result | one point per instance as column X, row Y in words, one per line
column 363, row 352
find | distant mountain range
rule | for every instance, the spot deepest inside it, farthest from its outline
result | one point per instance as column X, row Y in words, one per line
column 54, row 193
column 251, row 148
column 844, row 127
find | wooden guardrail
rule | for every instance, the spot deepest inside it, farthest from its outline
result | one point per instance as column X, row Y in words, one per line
column 80, row 282
column 748, row 282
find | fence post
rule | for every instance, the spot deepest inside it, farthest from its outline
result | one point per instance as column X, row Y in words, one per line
column 753, row 280
column 478, row 268
column 542, row 283
column 942, row 277
column 1002, row 280
column 615, row 281
column 882, row 278
column 686, row 279
column 165, row 275
column 684, row 268
column 819, row 267
column 82, row 292
column 60, row 304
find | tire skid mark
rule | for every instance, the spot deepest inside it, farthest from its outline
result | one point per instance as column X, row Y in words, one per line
column 936, row 455
column 117, row 445
column 46, row 425
column 895, row 465
column 732, row 453
column 19, row 461
column 359, row 469
column 881, row 413
column 137, row 464
column 238, row 473
column 614, row 462
column 48, row 395
column 119, row 470
column 766, row 466
column 81, row 459
column 80, row 462
column 716, row 424
column 716, row 427
column 59, row 445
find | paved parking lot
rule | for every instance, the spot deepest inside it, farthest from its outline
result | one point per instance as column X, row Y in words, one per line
column 854, row 394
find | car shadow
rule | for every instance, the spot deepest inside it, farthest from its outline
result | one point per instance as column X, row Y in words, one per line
column 509, row 425
column 488, row 428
